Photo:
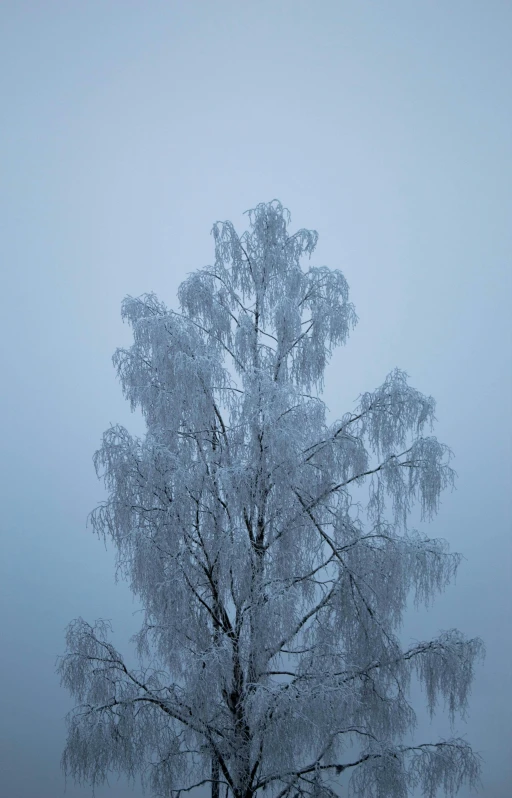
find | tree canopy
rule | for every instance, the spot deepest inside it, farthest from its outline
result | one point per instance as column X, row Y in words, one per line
column 270, row 549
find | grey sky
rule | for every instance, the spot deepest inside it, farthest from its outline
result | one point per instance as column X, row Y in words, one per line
column 126, row 129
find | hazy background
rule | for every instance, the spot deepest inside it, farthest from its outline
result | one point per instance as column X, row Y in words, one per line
column 128, row 128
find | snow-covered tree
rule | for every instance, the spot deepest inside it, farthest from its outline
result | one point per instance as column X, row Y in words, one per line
column 269, row 655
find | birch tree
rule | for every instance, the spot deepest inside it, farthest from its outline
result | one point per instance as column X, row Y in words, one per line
column 270, row 550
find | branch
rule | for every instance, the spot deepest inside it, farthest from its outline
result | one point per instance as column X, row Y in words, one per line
column 335, row 488
column 212, row 335
column 305, row 618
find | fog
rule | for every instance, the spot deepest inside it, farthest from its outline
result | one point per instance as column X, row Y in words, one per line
column 127, row 129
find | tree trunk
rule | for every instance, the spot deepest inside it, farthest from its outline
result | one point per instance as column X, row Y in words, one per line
column 215, row 778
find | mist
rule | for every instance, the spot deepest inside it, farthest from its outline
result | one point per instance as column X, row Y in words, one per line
column 127, row 130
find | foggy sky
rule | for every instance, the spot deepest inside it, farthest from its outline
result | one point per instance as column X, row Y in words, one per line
column 127, row 128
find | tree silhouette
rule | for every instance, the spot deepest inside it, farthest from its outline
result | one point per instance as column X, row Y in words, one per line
column 269, row 656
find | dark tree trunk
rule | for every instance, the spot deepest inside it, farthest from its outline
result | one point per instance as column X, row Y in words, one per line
column 215, row 778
